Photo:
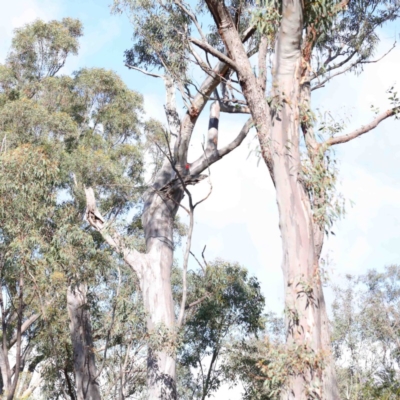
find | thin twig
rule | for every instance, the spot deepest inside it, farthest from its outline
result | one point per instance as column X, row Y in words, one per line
column 198, row 262
column 203, row 256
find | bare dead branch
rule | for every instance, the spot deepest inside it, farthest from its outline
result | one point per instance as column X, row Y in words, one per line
column 364, row 129
column 380, row 58
column 197, row 260
column 203, row 255
column 207, row 195
column 209, row 49
column 143, row 71
column 349, row 67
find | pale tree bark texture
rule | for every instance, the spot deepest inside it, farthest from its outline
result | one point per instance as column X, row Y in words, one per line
column 278, row 123
column 86, row 375
column 278, row 127
column 161, row 203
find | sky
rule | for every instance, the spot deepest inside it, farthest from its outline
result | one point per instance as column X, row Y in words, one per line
column 239, row 222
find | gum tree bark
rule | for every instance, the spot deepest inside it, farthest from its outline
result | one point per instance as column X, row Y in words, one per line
column 161, row 203
column 278, row 122
column 278, row 127
column 87, row 386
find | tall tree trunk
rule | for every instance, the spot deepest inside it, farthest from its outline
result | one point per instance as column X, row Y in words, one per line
column 87, row 385
column 161, row 203
column 302, row 239
column 330, row 385
column 278, row 128
column 159, row 212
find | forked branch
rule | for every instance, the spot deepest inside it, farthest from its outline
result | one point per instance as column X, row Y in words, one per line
column 131, row 256
column 209, row 158
column 359, row 61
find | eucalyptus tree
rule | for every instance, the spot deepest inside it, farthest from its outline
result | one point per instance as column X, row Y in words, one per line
column 225, row 304
column 366, row 326
column 163, row 199
column 309, row 44
column 58, row 134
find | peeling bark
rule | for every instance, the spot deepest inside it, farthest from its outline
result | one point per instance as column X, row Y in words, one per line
column 278, row 127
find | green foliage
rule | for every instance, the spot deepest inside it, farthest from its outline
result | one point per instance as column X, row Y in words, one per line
column 281, row 362
column 267, row 17
column 229, row 305
column 264, row 367
column 366, row 335
column 158, row 35
column 352, row 34
column 59, row 134
column 244, row 358
column 320, row 172
column 40, row 49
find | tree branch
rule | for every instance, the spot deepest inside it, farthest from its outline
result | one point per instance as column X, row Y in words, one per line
column 335, row 66
column 190, row 14
column 248, row 33
column 197, row 301
column 209, row 49
column 234, row 108
column 132, row 257
column 207, row 159
column 364, row 129
column 212, row 137
column 197, row 105
column 262, row 63
column 25, row 326
column 143, row 71
column 349, row 67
